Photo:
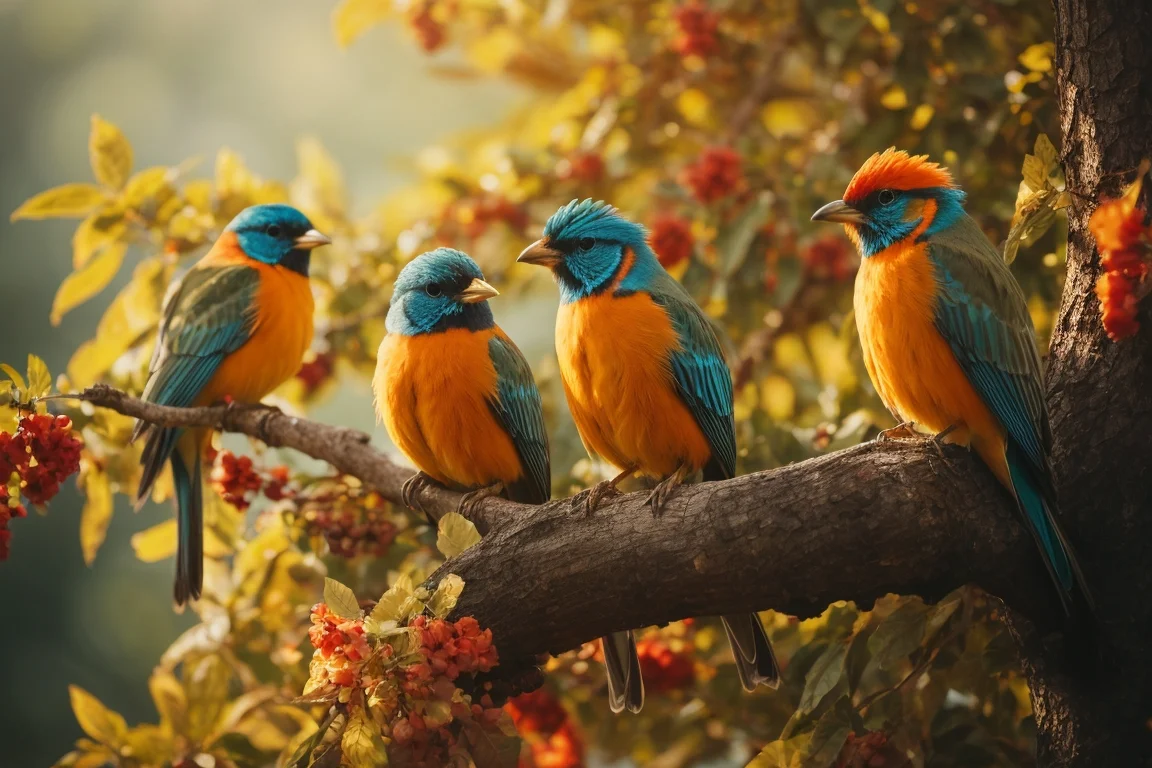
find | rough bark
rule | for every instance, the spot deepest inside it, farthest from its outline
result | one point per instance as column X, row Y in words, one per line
column 1100, row 395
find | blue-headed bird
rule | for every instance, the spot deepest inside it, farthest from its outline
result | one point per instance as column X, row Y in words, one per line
column 648, row 388
column 456, row 395
column 233, row 328
column 948, row 340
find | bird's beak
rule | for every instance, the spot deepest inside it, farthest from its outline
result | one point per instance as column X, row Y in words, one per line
column 477, row 291
column 313, row 238
column 541, row 253
column 839, row 211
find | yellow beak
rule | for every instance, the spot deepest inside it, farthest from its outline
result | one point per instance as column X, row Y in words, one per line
column 541, row 253
column 477, row 291
column 840, row 212
column 313, row 238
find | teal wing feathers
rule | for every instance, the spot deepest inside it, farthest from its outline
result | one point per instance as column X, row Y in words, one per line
column 703, row 380
column 518, row 408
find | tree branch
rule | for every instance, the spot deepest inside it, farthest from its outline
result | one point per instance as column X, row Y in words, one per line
column 853, row 525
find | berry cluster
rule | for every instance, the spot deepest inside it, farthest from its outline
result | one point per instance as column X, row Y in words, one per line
column 829, row 258
column 666, row 664
column 583, row 167
column 351, row 522
column 429, row 32
column 1125, row 245
column 547, row 729
column 671, row 239
column 314, row 372
column 235, row 479
column 717, row 173
column 341, row 651
column 695, row 30
column 33, row 463
column 871, row 750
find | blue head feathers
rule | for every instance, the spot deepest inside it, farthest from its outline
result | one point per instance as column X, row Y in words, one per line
column 277, row 234
column 586, row 244
column 439, row 290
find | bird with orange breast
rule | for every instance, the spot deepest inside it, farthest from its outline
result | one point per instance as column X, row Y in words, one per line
column 648, row 389
column 234, row 328
column 949, row 343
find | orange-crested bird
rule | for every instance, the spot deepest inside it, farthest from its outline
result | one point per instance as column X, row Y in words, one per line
column 949, row 343
column 234, row 328
column 648, row 389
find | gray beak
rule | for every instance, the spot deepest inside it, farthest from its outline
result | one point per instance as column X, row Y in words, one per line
column 313, row 238
column 840, row 212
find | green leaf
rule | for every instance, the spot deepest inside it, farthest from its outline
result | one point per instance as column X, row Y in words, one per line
column 61, row 202
column 455, row 534
column 447, row 592
column 87, row 281
column 734, row 242
column 829, row 735
column 99, row 722
column 491, row 747
column 823, row 676
column 340, row 599
column 109, row 152
column 899, row 633
column 39, row 378
column 361, row 743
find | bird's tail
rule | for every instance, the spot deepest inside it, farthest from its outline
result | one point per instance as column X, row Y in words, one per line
column 755, row 661
column 182, row 448
column 1041, row 515
column 625, row 683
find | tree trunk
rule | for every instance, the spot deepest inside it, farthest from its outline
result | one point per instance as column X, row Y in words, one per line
column 1100, row 395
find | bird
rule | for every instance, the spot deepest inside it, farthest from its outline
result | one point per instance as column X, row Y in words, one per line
column 949, row 343
column 232, row 329
column 454, row 392
column 648, row 388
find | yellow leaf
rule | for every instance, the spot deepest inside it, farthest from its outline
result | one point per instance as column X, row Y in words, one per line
column 97, row 514
column 150, row 186
column 170, row 699
column 39, row 379
column 695, row 106
column 1035, row 174
column 60, row 202
column 13, row 374
column 352, row 18
column 321, row 184
column 447, row 592
column 9, row 416
column 109, row 152
column 206, row 684
column 99, row 722
column 88, row 281
column 149, row 745
column 921, row 117
column 1038, row 57
column 778, row 397
column 783, row 118
column 340, row 599
column 97, row 231
column 1046, row 153
column 895, row 97
column 361, row 742
column 391, row 604
column 455, row 534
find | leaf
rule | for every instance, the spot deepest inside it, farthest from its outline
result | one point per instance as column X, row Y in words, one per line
column 492, row 747
column 1044, row 150
column 149, row 188
column 39, row 378
column 829, row 735
column 783, row 753
column 455, row 534
column 734, row 242
column 156, row 543
column 823, row 676
column 1035, row 174
column 340, row 599
column 88, row 281
column 99, row 722
column 942, row 611
column 13, row 374
column 61, row 202
column 361, row 742
column 1038, row 57
column 899, row 633
column 98, row 231
column 9, row 415
column 447, row 592
column 109, row 152
column 169, row 698
column 206, row 684
column 97, row 514
column 391, row 606
column 352, row 18
column 323, row 182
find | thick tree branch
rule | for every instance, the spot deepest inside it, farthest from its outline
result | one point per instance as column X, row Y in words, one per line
column 854, row 525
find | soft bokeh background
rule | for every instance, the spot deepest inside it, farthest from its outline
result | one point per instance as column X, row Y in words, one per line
column 181, row 78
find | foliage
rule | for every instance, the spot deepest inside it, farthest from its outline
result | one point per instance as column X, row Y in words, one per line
column 721, row 126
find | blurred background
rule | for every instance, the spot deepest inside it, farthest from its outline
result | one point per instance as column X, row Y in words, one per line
column 181, row 78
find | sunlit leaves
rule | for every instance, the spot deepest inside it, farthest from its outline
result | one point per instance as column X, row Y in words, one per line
column 352, row 18
column 156, row 543
column 1040, row 197
column 99, row 722
column 340, row 599
column 97, row 512
column 361, row 742
column 61, row 202
column 110, row 153
column 448, row 591
column 455, row 534
column 823, row 676
column 87, row 281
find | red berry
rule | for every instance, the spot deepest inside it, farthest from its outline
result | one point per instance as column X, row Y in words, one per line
column 671, row 239
column 716, row 174
column 696, row 30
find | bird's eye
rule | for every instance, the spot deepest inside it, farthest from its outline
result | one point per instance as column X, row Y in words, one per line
column 433, row 290
column 586, row 243
column 886, row 197
column 273, row 230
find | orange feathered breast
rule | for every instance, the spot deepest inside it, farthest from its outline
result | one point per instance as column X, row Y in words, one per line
column 614, row 360
column 432, row 393
column 280, row 336
column 910, row 363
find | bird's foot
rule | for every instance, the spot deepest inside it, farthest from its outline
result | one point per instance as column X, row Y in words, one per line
column 410, row 494
column 664, row 490
column 267, row 412
column 591, row 499
column 938, row 442
column 471, row 502
column 902, row 431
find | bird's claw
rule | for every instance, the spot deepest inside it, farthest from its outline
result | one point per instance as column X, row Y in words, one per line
column 410, row 494
column 663, row 491
column 901, row 431
column 938, row 442
column 471, row 502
